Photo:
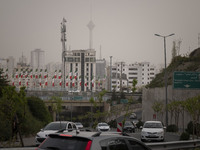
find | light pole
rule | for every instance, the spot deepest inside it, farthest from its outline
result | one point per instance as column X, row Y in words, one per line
column 166, row 100
column 110, row 73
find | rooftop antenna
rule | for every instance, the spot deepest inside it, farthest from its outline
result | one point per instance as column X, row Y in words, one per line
column 199, row 40
column 100, row 52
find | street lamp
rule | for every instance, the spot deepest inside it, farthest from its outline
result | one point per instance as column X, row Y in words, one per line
column 110, row 73
column 166, row 100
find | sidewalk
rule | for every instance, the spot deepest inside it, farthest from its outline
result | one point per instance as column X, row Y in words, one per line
column 28, row 142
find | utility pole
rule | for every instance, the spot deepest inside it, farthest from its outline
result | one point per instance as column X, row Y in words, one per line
column 121, row 78
column 110, row 73
column 166, row 99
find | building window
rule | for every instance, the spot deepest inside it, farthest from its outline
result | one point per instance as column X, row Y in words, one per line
column 132, row 73
column 132, row 69
column 113, row 82
column 87, row 59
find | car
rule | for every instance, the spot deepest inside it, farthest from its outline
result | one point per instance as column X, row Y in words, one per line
column 128, row 127
column 79, row 125
column 101, row 127
column 53, row 127
column 91, row 141
column 153, row 131
column 133, row 116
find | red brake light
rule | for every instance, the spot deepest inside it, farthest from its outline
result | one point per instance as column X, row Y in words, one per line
column 88, row 145
column 65, row 135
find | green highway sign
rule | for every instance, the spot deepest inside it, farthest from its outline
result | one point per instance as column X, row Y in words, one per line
column 186, row 80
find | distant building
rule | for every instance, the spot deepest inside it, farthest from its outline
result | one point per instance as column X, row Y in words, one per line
column 80, row 70
column 37, row 59
column 123, row 75
column 101, row 74
column 11, row 64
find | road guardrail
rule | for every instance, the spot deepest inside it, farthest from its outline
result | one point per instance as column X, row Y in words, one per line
column 175, row 145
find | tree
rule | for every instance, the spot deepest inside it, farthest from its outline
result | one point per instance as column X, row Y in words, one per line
column 158, row 108
column 127, row 106
column 56, row 105
column 39, row 110
column 134, row 83
column 11, row 111
column 114, row 96
column 3, row 81
column 174, row 51
column 192, row 106
column 100, row 96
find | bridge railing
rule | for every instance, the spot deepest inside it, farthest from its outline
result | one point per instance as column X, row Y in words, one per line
column 175, row 145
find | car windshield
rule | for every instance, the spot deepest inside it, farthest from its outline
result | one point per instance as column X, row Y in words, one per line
column 78, row 123
column 56, row 126
column 128, row 123
column 103, row 124
column 153, row 125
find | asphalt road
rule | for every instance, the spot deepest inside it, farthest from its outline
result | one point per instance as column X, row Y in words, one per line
column 168, row 136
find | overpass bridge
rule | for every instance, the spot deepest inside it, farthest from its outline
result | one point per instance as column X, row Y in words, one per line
column 74, row 104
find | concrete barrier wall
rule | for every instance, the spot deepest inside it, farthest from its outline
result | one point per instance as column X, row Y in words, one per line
column 149, row 96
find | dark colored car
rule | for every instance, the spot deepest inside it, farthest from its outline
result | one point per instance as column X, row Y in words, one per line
column 91, row 141
column 128, row 127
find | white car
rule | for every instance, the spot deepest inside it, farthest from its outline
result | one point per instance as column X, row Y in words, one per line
column 152, row 131
column 53, row 127
column 102, row 127
column 79, row 125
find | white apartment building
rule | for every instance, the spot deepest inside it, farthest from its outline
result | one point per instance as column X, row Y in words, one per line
column 37, row 59
column 123, row 74
column 82, row 65
column 119, row 76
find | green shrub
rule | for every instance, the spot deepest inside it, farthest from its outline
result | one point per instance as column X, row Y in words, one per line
column 185, row 136
column 172, row 128
column 139, row 124
column 190, row 127
column 38, row 109
column 113, row 123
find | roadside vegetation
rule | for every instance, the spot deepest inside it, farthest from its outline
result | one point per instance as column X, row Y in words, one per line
column 20, row 115
column 178, row 63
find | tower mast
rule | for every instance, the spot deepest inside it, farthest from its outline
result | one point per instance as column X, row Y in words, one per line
column 63, row 40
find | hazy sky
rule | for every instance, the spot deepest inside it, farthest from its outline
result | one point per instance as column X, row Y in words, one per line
column 124, row 28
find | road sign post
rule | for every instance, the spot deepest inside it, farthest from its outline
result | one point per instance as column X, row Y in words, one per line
column 186, row 80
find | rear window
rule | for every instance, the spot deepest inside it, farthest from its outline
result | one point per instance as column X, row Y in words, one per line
column 56, row 126
column 64, row 143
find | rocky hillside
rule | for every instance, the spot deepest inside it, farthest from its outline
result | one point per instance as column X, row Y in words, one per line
column 179, row 63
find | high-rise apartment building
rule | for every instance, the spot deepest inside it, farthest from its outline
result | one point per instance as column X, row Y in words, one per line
column 11, row 64
column 80, row 70
column 37, row 59
column 123, row 74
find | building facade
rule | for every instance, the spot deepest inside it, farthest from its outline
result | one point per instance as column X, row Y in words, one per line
column 80, row 70
column 37, row 59
column 123, row 75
